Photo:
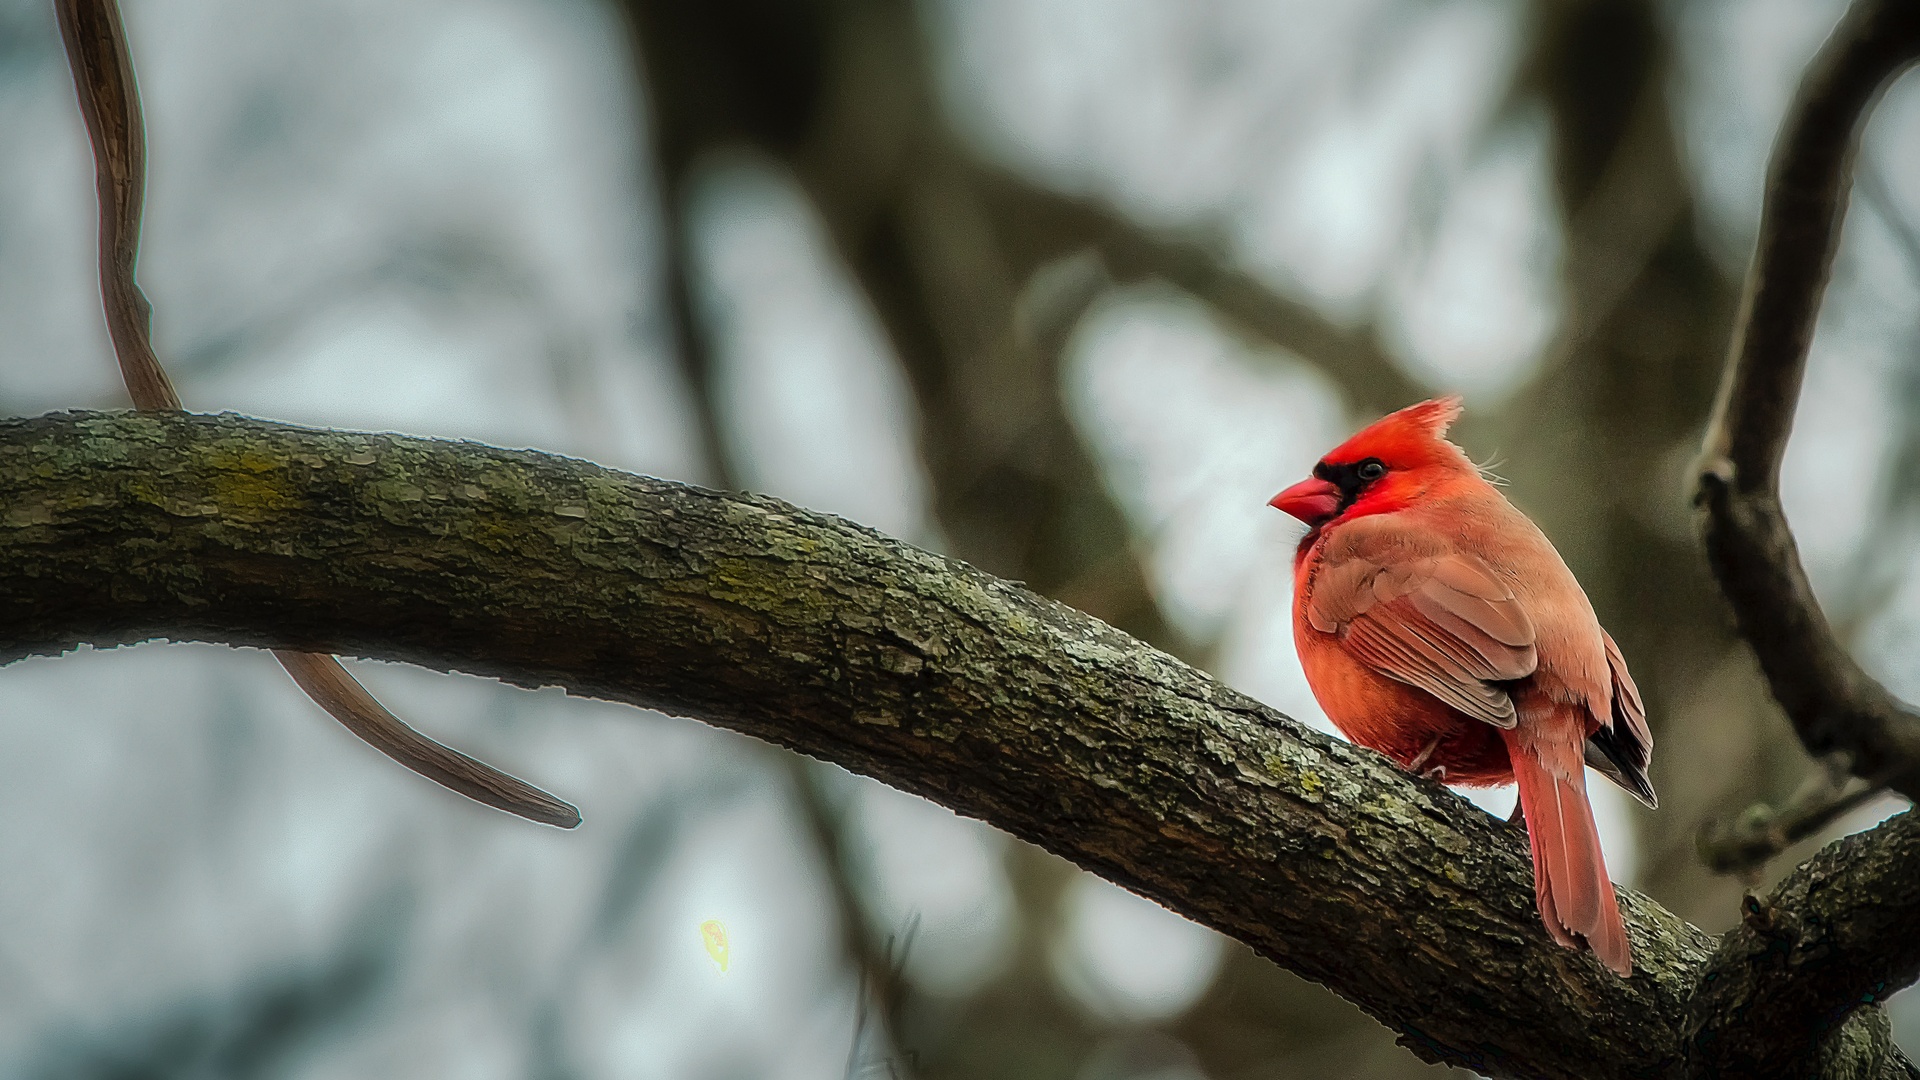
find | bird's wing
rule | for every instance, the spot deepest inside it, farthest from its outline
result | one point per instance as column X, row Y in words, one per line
column 1622, row 747
column 1416, row 610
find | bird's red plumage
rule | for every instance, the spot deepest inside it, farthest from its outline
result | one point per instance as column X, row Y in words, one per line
column 1437, row 625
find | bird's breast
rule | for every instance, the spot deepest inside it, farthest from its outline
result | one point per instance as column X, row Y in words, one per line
column 1394, row 718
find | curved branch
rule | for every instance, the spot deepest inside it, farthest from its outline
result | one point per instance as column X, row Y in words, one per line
column 110, row 104
column 1833, row 704
column 1764, row 1009
column 96, row 42
column 841, row 643
column 342, row 696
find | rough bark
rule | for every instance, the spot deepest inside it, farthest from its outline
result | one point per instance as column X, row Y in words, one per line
column 841, row 643
column 1838, row 933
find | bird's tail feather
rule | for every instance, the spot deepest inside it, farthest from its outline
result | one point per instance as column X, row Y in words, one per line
column 1569, row 873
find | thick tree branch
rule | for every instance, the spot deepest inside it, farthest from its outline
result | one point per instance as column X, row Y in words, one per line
column 1763, row 1011
column 833, row 640
column 1838, row 933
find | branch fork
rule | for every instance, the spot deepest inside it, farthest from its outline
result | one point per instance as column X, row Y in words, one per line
column 1782, row 994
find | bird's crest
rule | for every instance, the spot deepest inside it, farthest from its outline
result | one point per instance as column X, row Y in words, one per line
column 1434, row 417
column 1414, row 435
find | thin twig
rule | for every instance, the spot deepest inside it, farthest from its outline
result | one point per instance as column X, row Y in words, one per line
column 110, row 101
column 329, row 685
column 882, row 982
column 96, row 42
column 1743, row 845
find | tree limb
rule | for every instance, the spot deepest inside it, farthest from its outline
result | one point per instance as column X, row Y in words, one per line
column 838, row 642
column 1833, row 704
column 1042, row 225
column 1836, row 934
column 1744, row 844
column 1760, row 1002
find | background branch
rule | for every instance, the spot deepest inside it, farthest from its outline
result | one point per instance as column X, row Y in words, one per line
column 1744, row 844
column 1764, row 1009
column 1833, row 704
column 1056, row 225
column 879, row 980
column 96, row 41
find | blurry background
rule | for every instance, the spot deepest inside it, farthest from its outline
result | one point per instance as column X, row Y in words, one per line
column 1066, row 288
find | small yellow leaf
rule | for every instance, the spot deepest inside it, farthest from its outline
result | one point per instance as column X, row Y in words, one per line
column 714, row 936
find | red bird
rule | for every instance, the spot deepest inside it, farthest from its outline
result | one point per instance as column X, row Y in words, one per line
column 1438, row 626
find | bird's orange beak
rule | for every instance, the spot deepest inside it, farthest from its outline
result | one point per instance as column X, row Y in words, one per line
column 1312, row 500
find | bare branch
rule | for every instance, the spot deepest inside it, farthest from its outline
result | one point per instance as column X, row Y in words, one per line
column 1783, row 984
column 1744, row 844
column 110, row 102
column 329, row 685
column 1833, row 704
column 882, row 983
column 96, row 42
column 1054, row 225
column 842, row 644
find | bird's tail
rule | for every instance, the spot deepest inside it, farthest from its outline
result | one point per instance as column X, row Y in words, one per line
column 1569, row 874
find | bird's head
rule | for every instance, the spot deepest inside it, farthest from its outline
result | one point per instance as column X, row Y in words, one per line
column 1384, row 467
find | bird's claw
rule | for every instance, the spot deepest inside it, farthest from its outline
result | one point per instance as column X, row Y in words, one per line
column 1417, row 765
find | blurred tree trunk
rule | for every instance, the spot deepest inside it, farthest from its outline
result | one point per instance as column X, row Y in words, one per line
column 840, row 95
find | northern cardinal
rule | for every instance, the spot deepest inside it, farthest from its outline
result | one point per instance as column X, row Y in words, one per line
column 1438, row 626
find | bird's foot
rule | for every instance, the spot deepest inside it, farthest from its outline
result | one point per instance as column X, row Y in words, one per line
column 1438, row 772
column 1517, row 819
column 1417, row 765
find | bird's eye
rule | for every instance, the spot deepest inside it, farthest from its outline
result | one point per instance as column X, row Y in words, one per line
column 1372, row 469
